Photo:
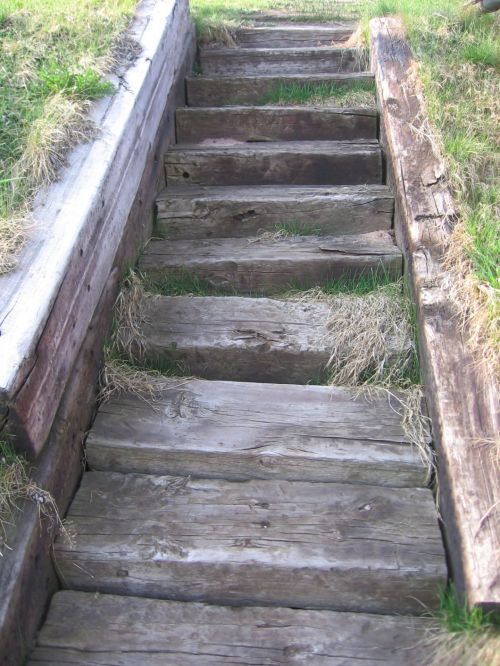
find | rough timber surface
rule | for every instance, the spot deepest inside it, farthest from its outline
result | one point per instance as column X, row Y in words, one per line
column 239, row 339
column 275, row 123
column 225, row 91
column 277, row 163
column 47, row 303
column 261, row 266
column 292, row 35
column 283, row 543
column 89, row 630
column 241, row 62
column 224, row 212
column 240, row 431
column 463, row 403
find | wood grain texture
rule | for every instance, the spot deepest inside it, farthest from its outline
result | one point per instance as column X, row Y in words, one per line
column 240, row 431
column 231, row 90
column 289, row 162
column 275, row 123
column 49, row 301
column 179, row 634
column 463, row 403
column 229, row 212
column 353, row 548
column 259, row 266
column 290, row 36
column 239, row 61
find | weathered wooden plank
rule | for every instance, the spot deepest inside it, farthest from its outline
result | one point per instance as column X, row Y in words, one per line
column 239, row 431
column 290, row 162
column 220, row 91
column 275, row 123
column 319, row 60
column 49, row 301
column 293, row 35
column 240, row 339
column 245, row 211
column 270, row 266
column 463, row 403
column 359, row 548
column 86, row 629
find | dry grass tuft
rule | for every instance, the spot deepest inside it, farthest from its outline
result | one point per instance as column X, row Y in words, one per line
column 119, row 378
column 481, row 648
column 63, row 124
column 127, row 339
column 477, row 302
column 16, row 486
column 371, row 338
column 12, row 236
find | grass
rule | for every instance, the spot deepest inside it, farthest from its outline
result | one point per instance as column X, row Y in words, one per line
column 357, row 94
column 53, row 59
column 182, row 283
column 468, row 636
column 16, row 486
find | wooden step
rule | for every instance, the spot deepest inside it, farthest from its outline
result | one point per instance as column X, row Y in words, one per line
column 239, row 339
column 290, row 163
column 292, row 35
column 226, row 91
column 103, row 630
column 239, row 431
column 275, row 123
column 215, row 212
column 246, row 62
column 282, row 543
column 270, row 266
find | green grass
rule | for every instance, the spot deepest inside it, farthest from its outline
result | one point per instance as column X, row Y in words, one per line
column 359, row 93
column 53, row 58
column 297, row 228
column 182, row 283
column 455, row 616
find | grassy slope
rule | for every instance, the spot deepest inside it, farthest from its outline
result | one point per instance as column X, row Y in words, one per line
column 52, row 58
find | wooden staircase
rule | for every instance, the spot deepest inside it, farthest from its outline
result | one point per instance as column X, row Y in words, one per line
column 249, row 517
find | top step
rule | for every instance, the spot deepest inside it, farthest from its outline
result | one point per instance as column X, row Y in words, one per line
column 321, row 60
column 290, row 35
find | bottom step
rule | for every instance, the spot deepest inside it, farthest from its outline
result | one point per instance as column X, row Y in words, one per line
column 90, row 629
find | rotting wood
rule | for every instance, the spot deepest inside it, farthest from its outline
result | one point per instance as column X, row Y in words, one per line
column 78, row 631
column 236, row 212
column 240, row 431
column 362, row 548
column 289, row 162
column 240, row 339
column 220, row 91
column 240, row 62
column 290, row 35
column 49, row 304
column 275, row 123
column 262, row 266
column 463, row 404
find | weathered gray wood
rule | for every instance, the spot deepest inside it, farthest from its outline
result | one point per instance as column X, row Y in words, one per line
column 293, row 35
column 463, row 402
column 241, row 339
column 345, row 547
column 241, row 62
column 245, row 211
column 239, row 431
column 92, row 630
column 263, row 266
column 46, row 305
column 220, row 91
column 275, row 123
column 290, row 162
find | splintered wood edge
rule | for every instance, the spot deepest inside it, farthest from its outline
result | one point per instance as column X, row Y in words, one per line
column 463, row 404
column 80, row 222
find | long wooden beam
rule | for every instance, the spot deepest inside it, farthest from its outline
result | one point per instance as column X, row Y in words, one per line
column 463, row 403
